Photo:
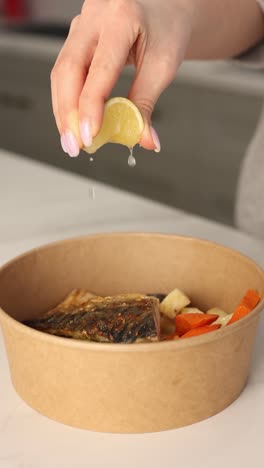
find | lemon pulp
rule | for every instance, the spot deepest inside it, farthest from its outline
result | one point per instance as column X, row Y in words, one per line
column 122, row 123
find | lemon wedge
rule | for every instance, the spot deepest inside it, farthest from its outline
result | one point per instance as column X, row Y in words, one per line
column 122, row 123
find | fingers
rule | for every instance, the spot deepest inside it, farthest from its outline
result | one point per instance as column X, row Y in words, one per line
column 109, row 59
column 67, row 80
column 102, row 39
column 54, row 93
column 88, row 68
column 71, row 77
column 156, row 72
column 54, row 99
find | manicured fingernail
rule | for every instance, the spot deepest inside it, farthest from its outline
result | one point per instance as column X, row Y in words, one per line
column 69, row 144
column 63, row 143
column 155, row 139
column 86, row 133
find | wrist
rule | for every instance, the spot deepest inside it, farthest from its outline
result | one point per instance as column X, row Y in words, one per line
column 191, row 11
column 189, row 7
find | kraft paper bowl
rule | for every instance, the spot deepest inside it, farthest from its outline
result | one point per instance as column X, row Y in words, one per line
column 128, row 388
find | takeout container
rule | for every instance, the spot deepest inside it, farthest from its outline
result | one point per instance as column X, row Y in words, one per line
column 128, row 388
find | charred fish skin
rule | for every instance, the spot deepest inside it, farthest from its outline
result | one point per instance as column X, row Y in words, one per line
column 118, row 319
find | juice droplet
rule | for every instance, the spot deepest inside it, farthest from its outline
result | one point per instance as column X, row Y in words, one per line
column 92, row 193
column 131, row 160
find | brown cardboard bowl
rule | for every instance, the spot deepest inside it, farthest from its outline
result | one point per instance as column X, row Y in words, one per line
column 134, row 387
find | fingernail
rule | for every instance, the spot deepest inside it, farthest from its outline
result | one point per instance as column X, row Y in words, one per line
column 155, row 139
column 69, row 144
column 63, row 143
column 86, row 133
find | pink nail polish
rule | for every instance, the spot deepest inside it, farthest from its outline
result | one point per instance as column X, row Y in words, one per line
column 63, row 145
column 155, row 139
column 86, row 133
column 70, row 144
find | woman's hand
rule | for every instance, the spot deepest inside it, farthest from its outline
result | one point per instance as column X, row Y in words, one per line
column 153, row 35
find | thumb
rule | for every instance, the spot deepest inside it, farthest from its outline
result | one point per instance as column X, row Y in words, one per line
column 151, row 79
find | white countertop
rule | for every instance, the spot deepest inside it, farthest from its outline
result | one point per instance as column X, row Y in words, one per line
column 39, row 204
column 224, row 75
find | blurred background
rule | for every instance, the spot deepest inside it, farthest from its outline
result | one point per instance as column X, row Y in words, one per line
column 205, row 119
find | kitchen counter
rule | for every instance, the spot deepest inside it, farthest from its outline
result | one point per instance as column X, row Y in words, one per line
column 40, row 204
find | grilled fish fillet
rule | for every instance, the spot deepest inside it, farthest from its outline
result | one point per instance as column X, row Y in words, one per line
column 73, row 302
column 125, row 318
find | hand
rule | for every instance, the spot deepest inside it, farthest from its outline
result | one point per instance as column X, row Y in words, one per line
column 153, row 35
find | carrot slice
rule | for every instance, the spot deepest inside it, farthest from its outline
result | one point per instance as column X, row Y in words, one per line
column 246, row 305
column 251, row 299
column 201, row 330
column 187, row 322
